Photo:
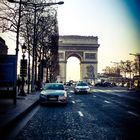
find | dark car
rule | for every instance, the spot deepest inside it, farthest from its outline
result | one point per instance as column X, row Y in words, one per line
column 104, row 84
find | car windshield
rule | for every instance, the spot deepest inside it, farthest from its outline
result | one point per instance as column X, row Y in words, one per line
column 82, row 84
column 53, row 87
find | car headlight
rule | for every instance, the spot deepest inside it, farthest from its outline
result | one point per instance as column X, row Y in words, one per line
column 43, row 96
column 77, row 89
column 65, row 94
column 87, row 89
column 62, row 97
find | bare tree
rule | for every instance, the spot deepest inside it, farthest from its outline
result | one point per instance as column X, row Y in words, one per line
column 41, row 25
column 8, row 16
column 38, row 27
column 108, row 70
column 135, row 67
column 126, row 67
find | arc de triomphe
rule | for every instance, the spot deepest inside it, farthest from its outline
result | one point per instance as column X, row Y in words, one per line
column 85, row 48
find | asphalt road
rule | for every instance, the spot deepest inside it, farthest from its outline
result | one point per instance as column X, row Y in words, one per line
column 105, row 114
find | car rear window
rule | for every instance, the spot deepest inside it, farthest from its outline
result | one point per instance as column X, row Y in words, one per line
column 81, row 84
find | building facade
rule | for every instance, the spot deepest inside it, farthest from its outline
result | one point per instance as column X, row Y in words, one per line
column 85, row 48
column 3, row 47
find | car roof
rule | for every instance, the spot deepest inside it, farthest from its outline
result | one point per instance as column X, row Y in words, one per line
column 82, row 83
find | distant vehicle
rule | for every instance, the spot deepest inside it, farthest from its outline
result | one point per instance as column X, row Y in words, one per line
column 104, row 84
column 82, row 87
column 53, row 93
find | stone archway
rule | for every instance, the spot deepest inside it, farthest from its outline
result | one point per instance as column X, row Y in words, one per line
column 78, row 56
column 73, row 69
column 85, row 48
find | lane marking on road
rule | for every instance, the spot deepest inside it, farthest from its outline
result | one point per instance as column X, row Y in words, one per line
column 73, row 102
column 80, row 113
column 71, row 91
column 110, row 91
column 107, row 102
column 132, row 113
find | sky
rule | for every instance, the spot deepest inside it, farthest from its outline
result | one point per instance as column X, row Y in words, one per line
column 115, row 22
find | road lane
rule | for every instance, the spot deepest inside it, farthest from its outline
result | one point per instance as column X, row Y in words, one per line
column 121, row 98
column 93, row 116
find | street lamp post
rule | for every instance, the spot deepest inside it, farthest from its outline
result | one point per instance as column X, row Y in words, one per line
column 23, row 70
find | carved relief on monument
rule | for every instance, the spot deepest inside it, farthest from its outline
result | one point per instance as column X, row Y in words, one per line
column 78, row 39
column 61, row 55
column 90, row 56
column 90, row 74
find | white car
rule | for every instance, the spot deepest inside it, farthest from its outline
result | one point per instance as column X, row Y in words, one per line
column 53, row 93
column 82, row 87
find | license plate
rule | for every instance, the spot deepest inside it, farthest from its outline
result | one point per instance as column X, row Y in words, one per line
column 53, row 99
column 83, row 89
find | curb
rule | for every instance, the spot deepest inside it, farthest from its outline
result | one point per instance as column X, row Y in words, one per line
column 6, row 128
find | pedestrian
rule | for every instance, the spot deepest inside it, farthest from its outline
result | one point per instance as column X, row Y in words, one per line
column 19, row 83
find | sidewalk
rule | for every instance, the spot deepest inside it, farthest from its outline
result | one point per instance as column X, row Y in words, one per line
column 9, row 113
